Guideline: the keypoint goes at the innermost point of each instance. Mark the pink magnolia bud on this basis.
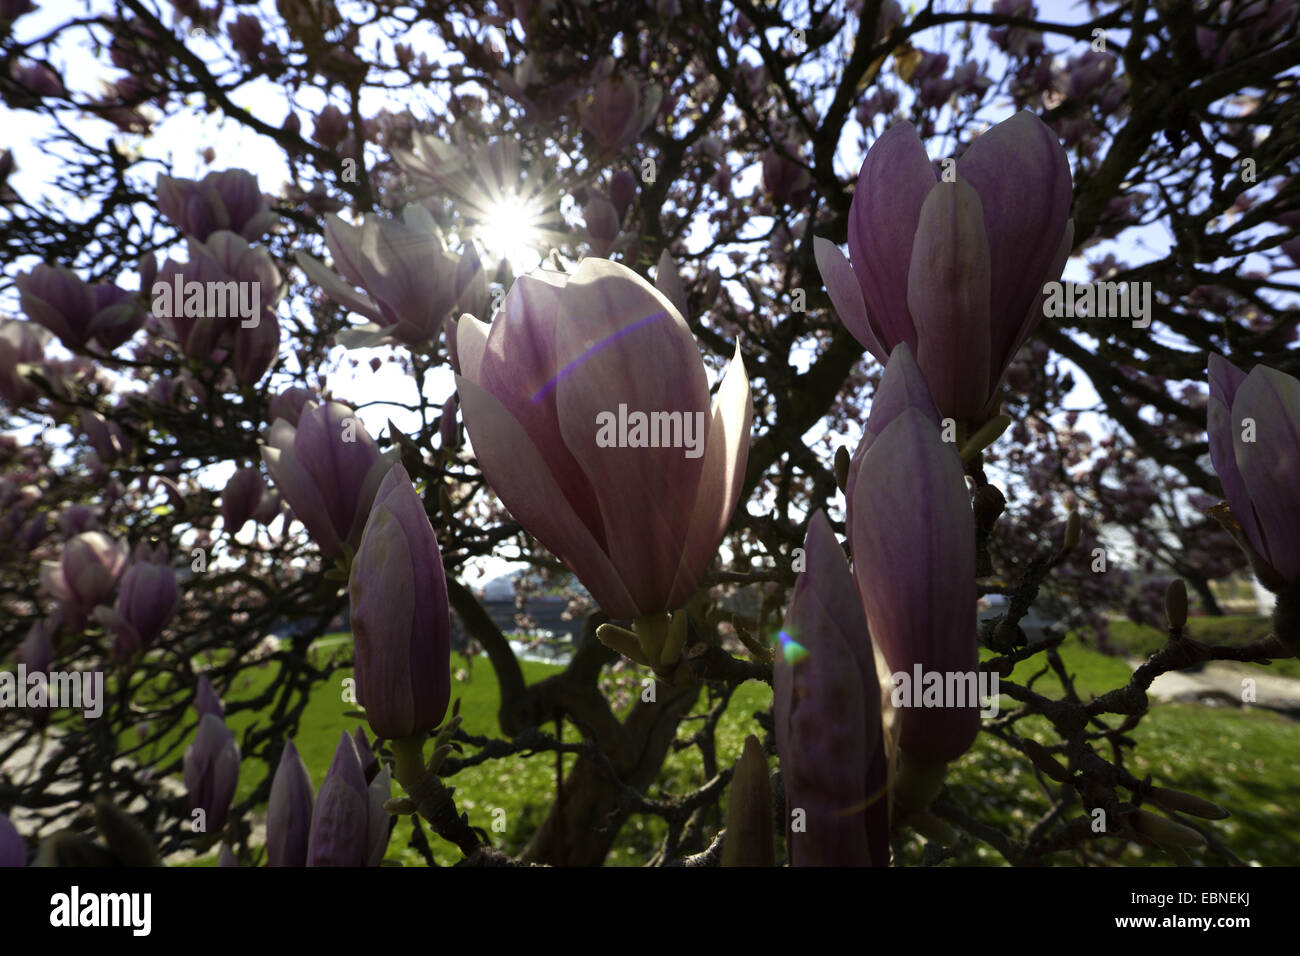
(546, 394)
(1254, 428)
(220, 298)
(241, 497)
(913, 542)
(616, 114)
(400, 619)
(331, 127)
(289, 404)
(207, 701)
(602, 225)
(211, 767)
(954, 269)
(622, 191)
(146, 601)
(327, 469)
(289, 811)
(826, 698)
(349, 825)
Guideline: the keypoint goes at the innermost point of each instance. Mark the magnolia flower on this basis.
(410, 281)
(229, 200)
(588, 408)
(954, 265)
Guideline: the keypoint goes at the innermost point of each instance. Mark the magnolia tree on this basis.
(786, 330)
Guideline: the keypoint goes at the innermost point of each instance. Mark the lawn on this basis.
(1247, 761)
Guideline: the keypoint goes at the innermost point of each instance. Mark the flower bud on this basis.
(211, 767)
(400, 618)
(289, 811)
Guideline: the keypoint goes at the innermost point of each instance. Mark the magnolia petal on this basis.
(726, 454)
(846, 295)
(1022, 176)
(948, 296)
(519, 476)
(622, 343)
(1223, 428)
(895, 179)
(1270, 465)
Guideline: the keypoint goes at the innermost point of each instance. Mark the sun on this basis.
(511, 229)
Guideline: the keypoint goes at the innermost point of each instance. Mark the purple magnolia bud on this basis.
(241, 498)
(828, 715)
(400, 618)
(36, 652)
(902, 387)
(226, 856)
(21, 343)
(328, 469)
(211, 767)
(289, 404)
(622, 191)
(206, 700)
(602, 225)
(447, 428)
(331, 127)
(1254, 428)
(13, 848)
(559, 423)
(269, 508)
(940, 265)
(289, 811)
(246, 36)
(616, 114)
(412, 282)
(783, 178)
(76, 312)
(104, 436)
(76, 519)
(343, 832)
(256, 348)
(913, 542)
(37, 78)
(86, 573)
(146, 602)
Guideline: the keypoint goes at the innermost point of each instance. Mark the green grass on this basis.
(1247, 761)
